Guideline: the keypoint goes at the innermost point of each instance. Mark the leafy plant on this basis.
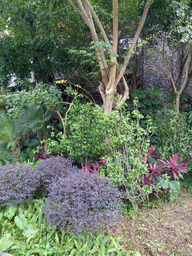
(85, 140)
(82, 201)
(170, 187)
(127, 162)
(13, 128)
(150, 101)
(172, 134)
(94, 167)
(160, 178)
(153, 175)
(52, 168)
(17, 183)
(174, 169)
(19, 236)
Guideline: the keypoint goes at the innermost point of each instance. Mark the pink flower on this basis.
(152, 149)
(104, 161)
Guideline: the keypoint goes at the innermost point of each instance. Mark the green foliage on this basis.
(85, 131)
(173, 134)
(90, 56)
(5, 156)
(24, 231)
(126, 164)
(170, 187)
(41, 95)
(150, 100)
(6, 133)
(14, 127)
(182, 20)
(28, 147)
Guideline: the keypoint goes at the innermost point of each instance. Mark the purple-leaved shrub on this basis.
(82, 201)
(17, 183)
(52, 168)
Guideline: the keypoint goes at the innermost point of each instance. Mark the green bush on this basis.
(173, 134)
(128, 144)
(86, 127)
(150, 100)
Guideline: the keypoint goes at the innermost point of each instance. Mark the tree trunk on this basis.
(109, 102)
(177, 103)
(114, 74)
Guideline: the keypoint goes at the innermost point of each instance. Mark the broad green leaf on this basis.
(10, 211)
(31, 231)
(23, 219)
(6, 242)
(1, 215)
(164, 184)
(172, 197)
(20, 224)
(174, 185)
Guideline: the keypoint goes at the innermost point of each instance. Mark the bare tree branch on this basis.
(135, 39)
(98, 22)
(186, 71)
(111, 85)
(126, 91)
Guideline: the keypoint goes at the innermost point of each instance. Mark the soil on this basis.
(166, 229)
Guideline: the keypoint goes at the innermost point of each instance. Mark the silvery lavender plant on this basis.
(17, 183)
(52, 168)
(82, 201)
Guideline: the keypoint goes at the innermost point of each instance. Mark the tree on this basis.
(183, 77)
(169, 54)
(112, 74)
(42, 32)
(181, 38)
(36, 37)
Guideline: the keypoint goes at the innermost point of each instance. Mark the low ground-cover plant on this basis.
(76, 199)
(17, 183)
(82, 201)
(24, 232)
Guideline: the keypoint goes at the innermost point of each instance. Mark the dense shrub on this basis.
(17, 183)
(129, 145)
(52, 168)
(82, 201)
(173, 135)
(150, 101)
(86, 133)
